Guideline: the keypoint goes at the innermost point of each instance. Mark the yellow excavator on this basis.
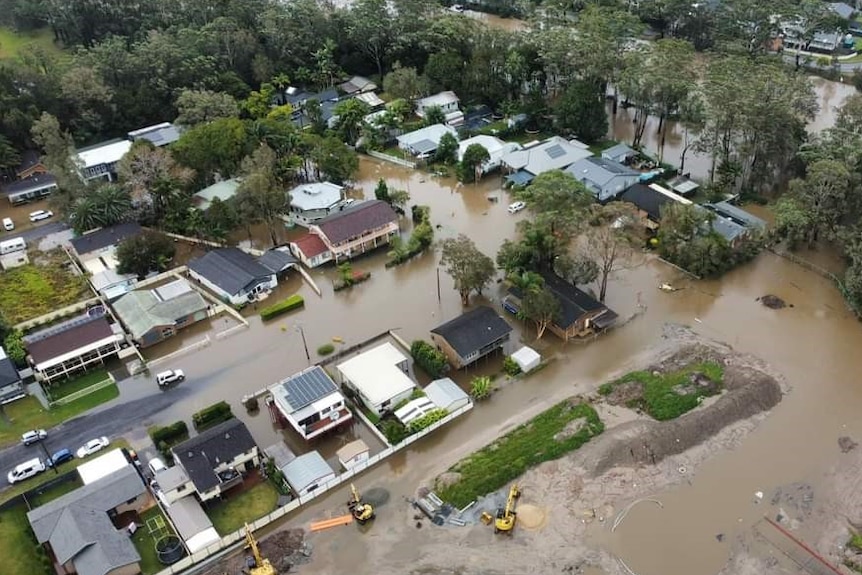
(505, 521)
(362, 512)
(256, 564)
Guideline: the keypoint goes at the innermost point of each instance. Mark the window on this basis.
(182, 488)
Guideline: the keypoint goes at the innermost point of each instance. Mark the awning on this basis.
(520, 178)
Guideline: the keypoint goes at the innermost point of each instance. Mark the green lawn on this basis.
(64, 388)
(145, 544)
(28, 413)
(668, 395)
(31, 291)
(12, 43)
(228, 516)
(56, 491)
(543, 438)
(18, 548)
(49, 474)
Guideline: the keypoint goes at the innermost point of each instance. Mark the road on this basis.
(39, 232)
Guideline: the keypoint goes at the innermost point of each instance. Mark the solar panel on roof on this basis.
(555, 151)
(305, 388)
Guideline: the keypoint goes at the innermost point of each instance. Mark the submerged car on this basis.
(92, 447)
(170, 376)
(40, 215)
(516, 207)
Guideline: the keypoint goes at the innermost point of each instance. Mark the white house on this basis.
(379, 377)
(312, 202)
(424, 141)
(174, 484)
(307, 473)
(100, 161)
(446, 101)
(495, 146)
(310, 402)
(353, 454)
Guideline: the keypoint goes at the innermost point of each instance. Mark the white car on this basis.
(33, 436)
(456, 8)
(92, 447)
(25, 470)
(8, 224)
(170, 376)
(40, 215)
(516, 207)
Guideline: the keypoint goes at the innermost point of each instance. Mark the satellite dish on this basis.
(334, 415)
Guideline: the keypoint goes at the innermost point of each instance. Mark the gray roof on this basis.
(618, 151)
(230, 269)
(304, 388)
(171, 478)
(223, 190)
(315, 196)
(600, 172)
(842, 9)
(357, 84)
(188, 517)
(201, 454)
(471, 331)
(427, 136)
(31, 184)
(142, 310)
(444, 392)
(555, 153)
(8, 373)
(736, 214)
(78, 528)
(105, 237)
(159, 135)
(305, 470)
(277, 260)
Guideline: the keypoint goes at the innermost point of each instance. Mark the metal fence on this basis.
(229, 540)
(84, 392)
(391, 159)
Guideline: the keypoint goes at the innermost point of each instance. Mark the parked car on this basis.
(26, 470)
(457, 8)
(92, 447)
(170, 376)
(40, 215)
(516, 207)
(8, 224)
(156, 465)
(59, 457)
(33, 436)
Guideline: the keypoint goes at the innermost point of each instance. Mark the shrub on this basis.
(212, 415)
(14, 346)
(511, 367)
(170, 434)
(420, 213)
(394, 431)
(289, 304)
(426, 420)
(325, 349)
(480, 387)
(428, 358)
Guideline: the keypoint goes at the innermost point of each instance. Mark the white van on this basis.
(13, 245)
(8, 224)
(26, 470)
(157, 465)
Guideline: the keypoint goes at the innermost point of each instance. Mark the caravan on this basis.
(13, 245)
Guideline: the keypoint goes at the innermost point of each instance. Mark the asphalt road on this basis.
(111, 422)
(39, 232)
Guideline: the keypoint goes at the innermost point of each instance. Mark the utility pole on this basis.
(438, 285)
(41, 443)
(304, 343)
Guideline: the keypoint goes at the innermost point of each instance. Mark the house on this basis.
(580, 314)
(370, 99)
(173, 484)
(278, 261)
(312, 202)
(30, 189)
(100, 161)
(620, 153)
(527, 359)
(352, 454)
(357, 85)
(85, 530)
(96, 250)
(732, 223)
(192, 524)
(310, 402)
(346, 234)
(447, 102)
(11, 386)
(605, 179)
(298, 99)
(555, 153)
(153, 315)
(423, 142)
(307, 473)
(30, 165)
(379, 377)
(650, 200)
(63, 350)
(216, 459)
(445, 394)
(159, 135)
(683, 185)
(496, 149)
(223, 190)
(233, 275)
(471, 336)
(842, 10)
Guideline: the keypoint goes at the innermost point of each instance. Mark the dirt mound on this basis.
(531, 517)
(772, 301)
(284, 549)
(626, 394)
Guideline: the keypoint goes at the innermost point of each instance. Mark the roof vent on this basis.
(191, 454)
(227, 435)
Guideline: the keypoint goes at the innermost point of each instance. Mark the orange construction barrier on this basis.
(328, 523)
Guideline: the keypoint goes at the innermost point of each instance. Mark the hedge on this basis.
(289, 304)
(169, 433)
(212, 415)
(428, 358)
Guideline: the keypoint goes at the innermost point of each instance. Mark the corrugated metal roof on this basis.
(305, 470)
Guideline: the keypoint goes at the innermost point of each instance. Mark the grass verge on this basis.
(145, 544)
(31, 291)
(28, 413)
(668, 395)
(54, 492)
(549, 435)
(18, 548)
(228, 516)
(65, 388)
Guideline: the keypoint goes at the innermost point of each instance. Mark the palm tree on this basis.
(105, 206)
(526, 281)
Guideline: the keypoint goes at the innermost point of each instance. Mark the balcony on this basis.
(331, 420)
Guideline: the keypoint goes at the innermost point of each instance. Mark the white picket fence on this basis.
(237, 536)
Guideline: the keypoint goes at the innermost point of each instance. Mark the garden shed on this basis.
(527, 359)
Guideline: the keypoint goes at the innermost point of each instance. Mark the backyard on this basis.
(21, 554)
(31, 291)
(145, 542)
(253, 502)
(66, 388)
(13, 43)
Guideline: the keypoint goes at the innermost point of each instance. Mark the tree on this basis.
(145, 253)
(258, 104)
(13, 344)
(153, 176)
(89, 99)
(447, 149)
(578, 270)
(403, 83)
(541, 307)
(381, 192)
(611, 239)
(581, 111)
(219, 219)
(333, 160)
(202, 106)
(686, 239)
(471, 269)
(59, 151)
(398, 199)
(372, 30)
(512, 257)
(481, 387)
(105, 206)
(559, 202)
(260, 196)
(472, 163)
(526, 281)
(350, 115)
(434, 115)
(214, 148)
(821, 197)
(9, 157)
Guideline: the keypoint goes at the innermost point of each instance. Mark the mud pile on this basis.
(284, 549)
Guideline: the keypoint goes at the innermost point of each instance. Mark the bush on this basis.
(14, 346)
(170, 434)
(325, 349)
(481, 387)
(212, 415)
(428, 358)
(420, 213)
(426, 420)
(289, 304)
(394, 431)
(511, 367)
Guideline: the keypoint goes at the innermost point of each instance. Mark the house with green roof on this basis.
(153, 315)
(223, 190)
